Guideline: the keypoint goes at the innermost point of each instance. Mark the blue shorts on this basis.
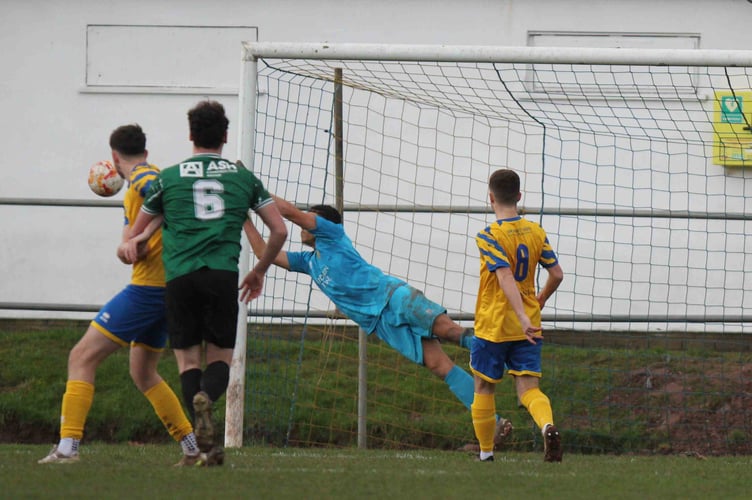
(136, 315)
(407, 319)
(487, 359)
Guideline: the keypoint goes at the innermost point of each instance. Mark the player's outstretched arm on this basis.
(271, 217)
(252, 284)
(305, 220)
(258, 245)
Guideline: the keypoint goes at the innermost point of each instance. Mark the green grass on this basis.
(32, 381)
(306, 397)
(122, 471)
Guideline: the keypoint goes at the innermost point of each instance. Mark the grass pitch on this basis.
(599, 397)
(145, 471)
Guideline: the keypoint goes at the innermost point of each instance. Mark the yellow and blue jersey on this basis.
(149, 271)
(520, 245)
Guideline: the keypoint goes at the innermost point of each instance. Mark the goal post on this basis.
(635, 161)
(235, 400)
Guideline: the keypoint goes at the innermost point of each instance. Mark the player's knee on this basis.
(144, 375)
(145, 380)
(443, 327)
(82, 358)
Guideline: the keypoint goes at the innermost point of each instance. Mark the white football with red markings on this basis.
(104, 179)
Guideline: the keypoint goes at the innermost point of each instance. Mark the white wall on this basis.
(55, 127)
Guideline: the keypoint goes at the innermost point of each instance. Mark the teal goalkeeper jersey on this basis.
(358, 289)
(204, 200)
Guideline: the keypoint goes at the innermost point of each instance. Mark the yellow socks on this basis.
(79, 396)
(483, 411)
(167, 407)
(539, 407)
(76, 405)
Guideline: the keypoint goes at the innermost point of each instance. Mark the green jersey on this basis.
(205, 201)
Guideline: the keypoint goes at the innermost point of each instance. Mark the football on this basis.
(104, 179)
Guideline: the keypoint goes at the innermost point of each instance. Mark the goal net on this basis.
(634, 161)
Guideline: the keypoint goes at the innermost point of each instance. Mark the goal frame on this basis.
(252, 52)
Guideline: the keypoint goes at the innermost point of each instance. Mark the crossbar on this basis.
(497, 54)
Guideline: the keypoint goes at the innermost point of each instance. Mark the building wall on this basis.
(69, 77)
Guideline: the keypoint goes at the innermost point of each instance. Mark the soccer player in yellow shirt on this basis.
(136, 318)
(508, 315)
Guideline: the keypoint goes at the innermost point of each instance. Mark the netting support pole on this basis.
(339, 150)
(235, 399)
(362, 391)
(339, 190)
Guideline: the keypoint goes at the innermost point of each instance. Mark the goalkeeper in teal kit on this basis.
(397, 313)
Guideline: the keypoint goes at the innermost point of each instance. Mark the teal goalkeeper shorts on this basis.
(406, 320)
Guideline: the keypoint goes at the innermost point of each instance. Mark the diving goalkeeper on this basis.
(396, 312)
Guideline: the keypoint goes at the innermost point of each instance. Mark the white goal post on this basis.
(623, 137)
(253, 51)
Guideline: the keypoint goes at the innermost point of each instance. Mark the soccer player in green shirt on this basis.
(204, 201)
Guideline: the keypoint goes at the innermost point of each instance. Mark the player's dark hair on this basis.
(328, 212)
(128, 140)
(208, 124)
(505, 186)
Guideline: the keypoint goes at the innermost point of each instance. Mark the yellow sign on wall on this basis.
(732, 118)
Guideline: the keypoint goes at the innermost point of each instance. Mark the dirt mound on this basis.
(705, 410)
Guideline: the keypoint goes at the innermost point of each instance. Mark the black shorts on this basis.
(203, 306)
